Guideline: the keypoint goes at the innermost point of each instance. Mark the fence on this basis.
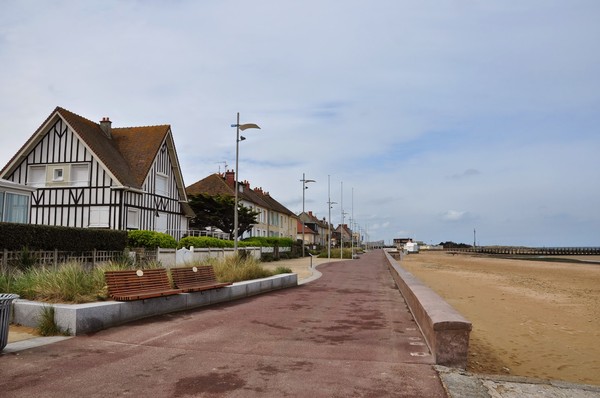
(530, 251)
(54, 257)
(167, 257)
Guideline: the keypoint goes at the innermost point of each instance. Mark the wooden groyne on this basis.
(529, 251)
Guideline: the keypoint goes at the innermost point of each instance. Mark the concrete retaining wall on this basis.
(445, 330)
(79, 319)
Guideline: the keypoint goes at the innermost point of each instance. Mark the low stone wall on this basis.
(79, 319)
(445, 330)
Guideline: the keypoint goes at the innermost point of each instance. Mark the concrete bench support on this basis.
(445, 330)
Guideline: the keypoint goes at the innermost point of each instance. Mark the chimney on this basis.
(230, 178)
(310, 213)
(105, 124)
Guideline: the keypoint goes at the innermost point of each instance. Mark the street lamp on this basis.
(238, 138)
(329, 202)
(304, 188)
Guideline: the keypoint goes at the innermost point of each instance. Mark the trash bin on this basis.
(5, 301)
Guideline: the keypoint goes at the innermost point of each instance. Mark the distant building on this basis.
(319, 227)
(309, 235)
(406, 244)
(273, 219)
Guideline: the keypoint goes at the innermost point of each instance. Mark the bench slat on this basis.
(196, 279)
(127, 285)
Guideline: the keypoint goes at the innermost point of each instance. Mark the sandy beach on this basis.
(530, 318)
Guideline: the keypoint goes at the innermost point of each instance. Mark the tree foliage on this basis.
(217, 212)
(454, 245)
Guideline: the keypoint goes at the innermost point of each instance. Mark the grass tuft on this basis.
(235, 269)
(45, 322)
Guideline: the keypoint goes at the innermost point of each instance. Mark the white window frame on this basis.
(133, 218)
(39, 172)
(99, 217)
(58, 174)
(80, 169)
(161, 223)
(158, 186)
(8, 214)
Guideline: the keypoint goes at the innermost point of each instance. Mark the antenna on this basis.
(225, 163)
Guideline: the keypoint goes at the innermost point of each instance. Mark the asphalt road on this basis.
(347, 334)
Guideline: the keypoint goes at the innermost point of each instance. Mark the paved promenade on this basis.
(348, 333)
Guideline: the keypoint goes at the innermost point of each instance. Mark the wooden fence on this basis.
(167, 257)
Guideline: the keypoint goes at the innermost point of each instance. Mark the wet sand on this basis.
(530, 318)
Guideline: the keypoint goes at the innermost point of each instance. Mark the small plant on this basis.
(26, 259)
(335, 253)
(45, 322)
(232, 269)
(282, 270)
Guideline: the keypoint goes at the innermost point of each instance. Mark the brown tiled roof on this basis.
(139, 146)
(307, 229)
(275, 205)
(212, 185)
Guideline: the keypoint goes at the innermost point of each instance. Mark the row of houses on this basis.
(78, 173)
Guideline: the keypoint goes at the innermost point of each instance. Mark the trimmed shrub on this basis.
(150, 239)
(265, 241)
(44, 237)
(204, 241)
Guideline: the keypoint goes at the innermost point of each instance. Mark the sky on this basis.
(440, 120)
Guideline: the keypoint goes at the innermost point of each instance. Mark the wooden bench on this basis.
(196, 279)
(139, 284)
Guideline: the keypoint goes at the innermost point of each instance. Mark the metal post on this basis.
(236, 177)
(342, 224)
(304, 181)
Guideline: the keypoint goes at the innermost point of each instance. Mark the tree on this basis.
(217, 212)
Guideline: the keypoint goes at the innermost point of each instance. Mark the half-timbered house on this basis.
(88, 174)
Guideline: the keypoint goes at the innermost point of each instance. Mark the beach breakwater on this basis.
(532, 251)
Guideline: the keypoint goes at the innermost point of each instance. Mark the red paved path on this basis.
(348, 334)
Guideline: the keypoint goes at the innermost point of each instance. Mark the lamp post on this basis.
(238, 138)
(304, 188)
(342, 217)
(329, 202)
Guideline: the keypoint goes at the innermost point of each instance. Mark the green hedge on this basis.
(44, 237)
(204, 241)
(264, 241)
(150, 239)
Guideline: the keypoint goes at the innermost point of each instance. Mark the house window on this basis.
(133, 219)
(80, 175)
(36, 177)
(161, 185)
(161, 222)
(58, 174)
(14, 207)
(99, 217)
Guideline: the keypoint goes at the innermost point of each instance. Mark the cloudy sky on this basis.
(437, 118)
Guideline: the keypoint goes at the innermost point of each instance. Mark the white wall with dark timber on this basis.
(67, 201)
